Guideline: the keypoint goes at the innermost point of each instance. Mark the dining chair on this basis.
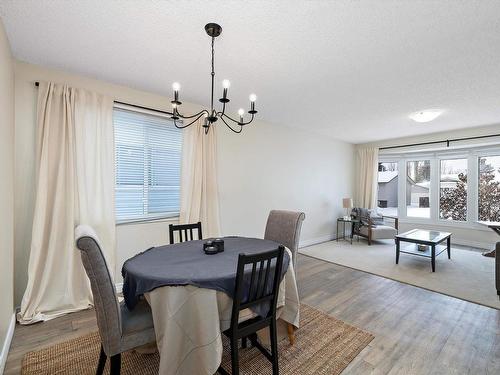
(120, 329)
(185, 232)
(254, 291)
(284, 227)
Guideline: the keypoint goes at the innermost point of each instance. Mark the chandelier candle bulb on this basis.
(176, 86)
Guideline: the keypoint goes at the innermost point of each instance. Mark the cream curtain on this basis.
(366, 177)
(199, 190)
(74, 185)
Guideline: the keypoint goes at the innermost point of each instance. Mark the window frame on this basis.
(472, 154)
(150, 217)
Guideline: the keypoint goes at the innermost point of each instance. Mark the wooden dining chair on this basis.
(254, 291)
(185, 232)
(120, 329)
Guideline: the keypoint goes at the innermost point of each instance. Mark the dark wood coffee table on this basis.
(430, 239)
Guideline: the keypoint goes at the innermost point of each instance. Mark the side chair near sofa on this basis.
(119, 328)
(373, 226)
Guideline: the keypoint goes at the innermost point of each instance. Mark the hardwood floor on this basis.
(416, 331)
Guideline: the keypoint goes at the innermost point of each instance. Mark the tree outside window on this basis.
(453, 190)
(489, 188)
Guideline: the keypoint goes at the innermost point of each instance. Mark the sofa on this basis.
(373, 226)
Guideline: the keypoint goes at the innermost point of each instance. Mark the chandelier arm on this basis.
(192, 116)
(223, 109)
(236, 131)
(237, 122)
(191, 123)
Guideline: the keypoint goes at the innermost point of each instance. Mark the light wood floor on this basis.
(416, 331)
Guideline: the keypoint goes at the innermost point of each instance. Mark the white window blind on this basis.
(147, 164)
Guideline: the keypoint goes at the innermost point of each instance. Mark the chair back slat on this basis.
(266, 268)
(185, 232)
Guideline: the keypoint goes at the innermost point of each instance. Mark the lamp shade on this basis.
(347, 202)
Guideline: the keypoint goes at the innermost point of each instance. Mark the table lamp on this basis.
(347, 204)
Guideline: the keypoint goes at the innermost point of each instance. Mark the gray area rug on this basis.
(468, 275)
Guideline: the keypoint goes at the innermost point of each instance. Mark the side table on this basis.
(342, 221)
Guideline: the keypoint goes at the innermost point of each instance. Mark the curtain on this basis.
(199, 190)
(74, 185)
(366, 177)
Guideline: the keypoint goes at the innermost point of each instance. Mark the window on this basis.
(489, 188)
(418, 185)
(453, 190)
(387, 200)
(148, 164)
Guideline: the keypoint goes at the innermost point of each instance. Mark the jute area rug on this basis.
(324, 346)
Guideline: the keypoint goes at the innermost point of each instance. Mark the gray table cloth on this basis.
(186, 264)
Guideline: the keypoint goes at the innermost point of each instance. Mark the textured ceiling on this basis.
(352, 70)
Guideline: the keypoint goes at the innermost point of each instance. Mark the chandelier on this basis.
(211, 116)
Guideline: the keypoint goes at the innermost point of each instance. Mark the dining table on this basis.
(190, 294)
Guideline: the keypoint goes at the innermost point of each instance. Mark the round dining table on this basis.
(190, 294)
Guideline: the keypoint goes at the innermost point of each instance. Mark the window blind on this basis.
(147, 164)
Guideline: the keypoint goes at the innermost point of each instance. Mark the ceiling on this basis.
(352, 70)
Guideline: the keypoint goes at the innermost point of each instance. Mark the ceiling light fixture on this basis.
(425, 115)
(211, 116)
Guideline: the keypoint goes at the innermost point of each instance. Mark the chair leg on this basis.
(102, 362)
(244, 342)
(234, 357)
(274, 346)
(291, 333)
(116, 363)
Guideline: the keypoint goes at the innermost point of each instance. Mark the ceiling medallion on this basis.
(211, 116)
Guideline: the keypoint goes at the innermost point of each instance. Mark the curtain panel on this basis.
(74, 185)
(199, 189)
(366, 177)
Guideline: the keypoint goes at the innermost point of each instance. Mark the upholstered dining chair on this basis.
(284, 227)
(185, 232)
(119, 328)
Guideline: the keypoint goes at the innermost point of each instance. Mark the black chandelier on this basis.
(211, 116)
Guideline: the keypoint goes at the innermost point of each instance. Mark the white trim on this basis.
(6, 343)
(119, 287)
(317, 240)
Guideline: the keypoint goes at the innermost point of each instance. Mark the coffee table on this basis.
(430, 239)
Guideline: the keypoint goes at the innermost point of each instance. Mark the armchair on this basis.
(373, 226)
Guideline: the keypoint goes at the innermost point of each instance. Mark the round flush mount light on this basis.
(425, 115)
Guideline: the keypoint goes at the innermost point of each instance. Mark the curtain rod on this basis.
(447, 141)
(132, 105)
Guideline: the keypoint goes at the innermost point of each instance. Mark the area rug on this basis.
(467, 275)
(324, 346)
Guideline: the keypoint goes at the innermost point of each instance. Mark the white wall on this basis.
(466, 234)
(6, 195)
(265, 167)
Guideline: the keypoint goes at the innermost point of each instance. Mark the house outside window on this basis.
(388, 188)
(446, 187)
(418, 185)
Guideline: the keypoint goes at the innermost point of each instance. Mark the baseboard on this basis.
(6, 343)
(317, 240)
(477, 244)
